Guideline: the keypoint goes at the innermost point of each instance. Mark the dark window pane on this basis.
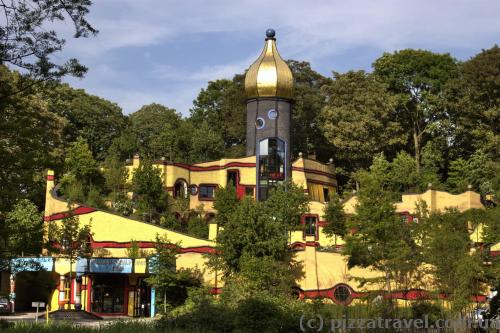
(310, 225)
(206, 192)
(326, 194)
(271, 165)
(232, 178)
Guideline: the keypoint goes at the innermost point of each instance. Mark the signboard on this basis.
(37, 304)
(110, 265)
(140, 265)
(32, 264)
(82, 266)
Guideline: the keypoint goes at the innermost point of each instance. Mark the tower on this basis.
(269, 90)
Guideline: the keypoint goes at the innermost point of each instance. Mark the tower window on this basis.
(271, 165)
(326, 194)
(260, 123)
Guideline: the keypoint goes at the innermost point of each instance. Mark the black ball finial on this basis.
(270, 33)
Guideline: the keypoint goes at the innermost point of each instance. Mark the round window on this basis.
(342, 294)
(272, 114)
(193, 189)
(260, 123)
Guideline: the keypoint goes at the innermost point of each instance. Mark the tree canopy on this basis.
(27, 44)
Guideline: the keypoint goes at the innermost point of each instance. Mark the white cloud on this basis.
(306, 30)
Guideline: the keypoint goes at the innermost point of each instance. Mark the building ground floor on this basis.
(102, 286)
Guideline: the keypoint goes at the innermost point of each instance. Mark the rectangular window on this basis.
(326, 194)
(232, 178)
(206, 192)
(310, 225)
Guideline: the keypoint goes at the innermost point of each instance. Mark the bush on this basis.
(421, 309)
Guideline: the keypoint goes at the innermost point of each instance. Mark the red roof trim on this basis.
(146, 245)
(77, 211)
(321, 182)
(318, 172)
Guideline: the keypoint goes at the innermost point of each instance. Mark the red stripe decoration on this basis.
(77, 211)
(410, 295)
(320, 182)
(494, 253)
(317, 172)
(50, 177)
(218, 167)
(209, 167)
(215, 291)
(302, 245)
(146, 245)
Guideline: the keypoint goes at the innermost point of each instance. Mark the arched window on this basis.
(272, 159)
(180, 189)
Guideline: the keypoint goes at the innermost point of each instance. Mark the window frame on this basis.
(303, 221)
(201, 186)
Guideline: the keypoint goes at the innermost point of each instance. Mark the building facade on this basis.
(112, 283)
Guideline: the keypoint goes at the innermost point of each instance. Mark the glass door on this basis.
(108, 294)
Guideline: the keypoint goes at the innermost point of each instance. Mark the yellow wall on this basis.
(323, 268)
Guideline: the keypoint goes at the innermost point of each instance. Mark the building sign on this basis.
(82, 266)
(32, 264)
(140, 265)
(110, 265)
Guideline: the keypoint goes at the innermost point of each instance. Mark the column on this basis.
(153, 303)
(62, 292)
(12, 295)
(78, 293)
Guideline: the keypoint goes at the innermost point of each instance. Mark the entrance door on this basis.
(108, 294)
(142, 306)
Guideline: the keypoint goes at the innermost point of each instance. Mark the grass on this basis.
(113, 327)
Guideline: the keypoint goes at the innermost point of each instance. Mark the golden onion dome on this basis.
(269, 75)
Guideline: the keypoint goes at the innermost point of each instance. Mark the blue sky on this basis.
(165, 51)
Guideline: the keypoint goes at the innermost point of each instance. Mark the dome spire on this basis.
(269, 75)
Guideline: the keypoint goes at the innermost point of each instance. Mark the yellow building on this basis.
(112, 283)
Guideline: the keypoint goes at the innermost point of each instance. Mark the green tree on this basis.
(152, 126)
(222, 106)
(31, 137)
(26, 42)
(479, 171)
(171, 284)
(335, 216)
(69, 239)
(358, 119)
(225, 203)
(115, 175)
(446, 247)
(472, 99)
(206, 144)
(253, 245)
(417, 78)
(81, 173)
(286, 204)
(306, 132)
(95, 119)
(80, 162)
(250, 232)
(147, 186)
(380, 238)
(22, 232)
